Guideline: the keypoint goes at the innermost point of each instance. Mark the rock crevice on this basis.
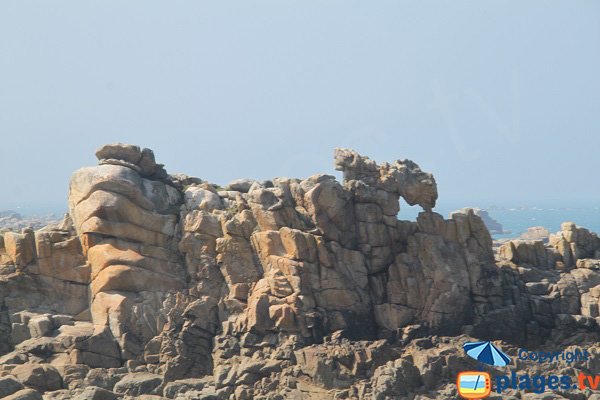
(158, 284)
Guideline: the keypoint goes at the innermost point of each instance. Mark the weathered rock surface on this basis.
(25, 394)
(138, 383)
(165, 286)
(13, 221)
(9, 385)
(536, 233)
(491, 224)
(38, 376)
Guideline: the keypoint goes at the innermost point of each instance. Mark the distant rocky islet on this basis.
(166, 286)
(14, 221)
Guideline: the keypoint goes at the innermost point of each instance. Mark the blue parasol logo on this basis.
(486, 353)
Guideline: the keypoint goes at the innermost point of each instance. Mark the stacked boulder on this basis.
(125, 214)
(560, 279)
(169, 286)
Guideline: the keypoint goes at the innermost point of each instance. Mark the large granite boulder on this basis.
(166, 285)
(126, 216)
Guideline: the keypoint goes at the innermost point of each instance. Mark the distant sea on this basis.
(517, 219)
(37, 210)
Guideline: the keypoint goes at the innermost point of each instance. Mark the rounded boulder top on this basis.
(140, 159)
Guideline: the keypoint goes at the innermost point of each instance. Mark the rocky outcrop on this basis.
(536, 233)
(125, 214)
(403, 178)
(491, 224)
(561, 279)
(563, 251)
(166, 286)
(14, 221)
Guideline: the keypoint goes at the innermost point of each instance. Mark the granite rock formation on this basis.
(167, 286)
(491, 224)
(14, 221)
(536, 233)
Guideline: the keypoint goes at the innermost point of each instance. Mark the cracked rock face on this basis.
(403, 178)
(126, 221)
(166, 285)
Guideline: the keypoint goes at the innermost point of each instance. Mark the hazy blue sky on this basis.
(499, 99)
